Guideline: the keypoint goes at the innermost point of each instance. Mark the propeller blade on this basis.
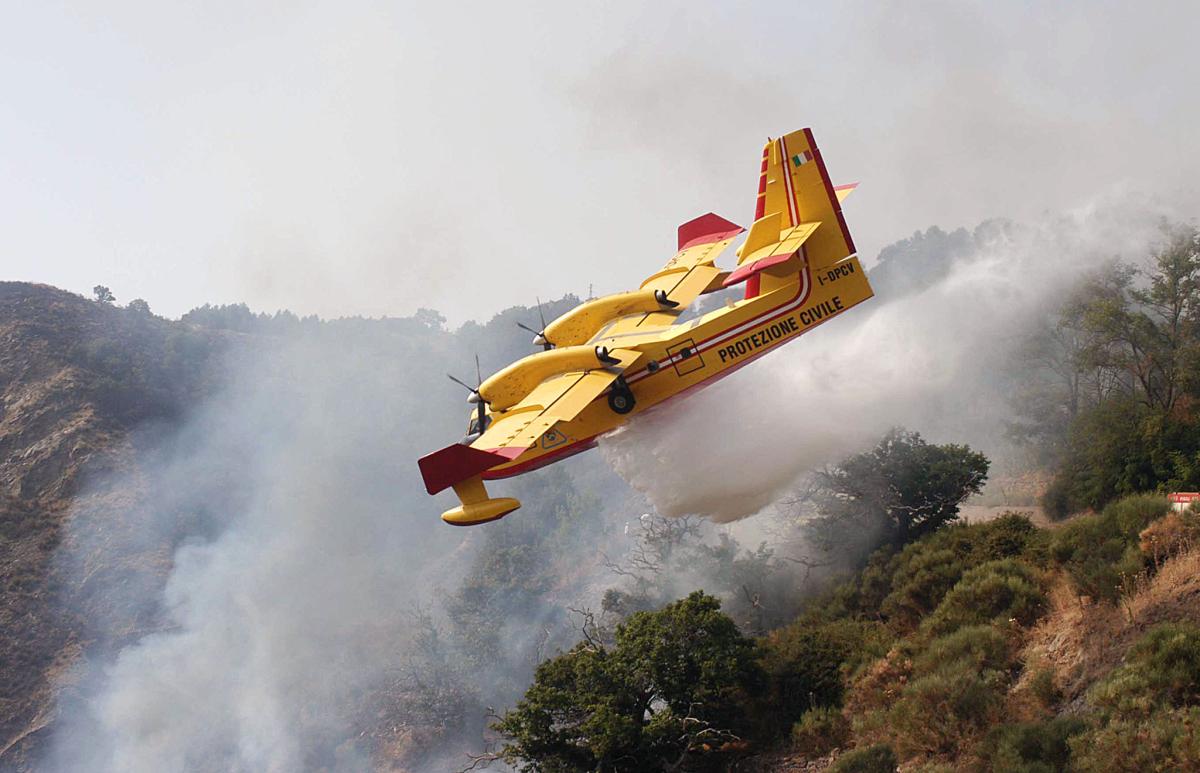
(461, 383)
(541, 316)
(478, 373)
(523, 326)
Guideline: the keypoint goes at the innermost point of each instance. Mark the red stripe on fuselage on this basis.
(760, 204)
(837, 207)
(579, 446)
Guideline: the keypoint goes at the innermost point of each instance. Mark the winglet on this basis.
(455, 463)
(705, 229)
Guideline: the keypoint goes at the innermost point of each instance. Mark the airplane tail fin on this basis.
(794, 183)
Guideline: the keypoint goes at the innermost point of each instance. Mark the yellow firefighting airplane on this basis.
(609, 359)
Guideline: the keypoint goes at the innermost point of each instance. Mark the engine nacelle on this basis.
(508, 387)
(578, 325)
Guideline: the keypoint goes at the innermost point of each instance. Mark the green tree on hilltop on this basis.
(671, 691)
(1135, 335)
(905, 486)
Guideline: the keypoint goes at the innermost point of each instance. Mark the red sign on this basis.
(1184, 497)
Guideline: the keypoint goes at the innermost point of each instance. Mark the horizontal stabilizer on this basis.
(843, 191)
(763, 233)
(705, 229)
(788, 244)
(455, 463)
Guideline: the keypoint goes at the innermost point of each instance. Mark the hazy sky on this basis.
(371, 158)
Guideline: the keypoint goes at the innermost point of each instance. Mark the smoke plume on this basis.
(927, 353)
(300, 539)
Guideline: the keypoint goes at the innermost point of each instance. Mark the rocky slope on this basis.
(76, 378)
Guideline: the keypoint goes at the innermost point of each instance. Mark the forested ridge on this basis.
(860, 626)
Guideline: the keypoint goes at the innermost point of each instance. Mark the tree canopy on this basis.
(667, 693)
(1111, 380)
(904, 486)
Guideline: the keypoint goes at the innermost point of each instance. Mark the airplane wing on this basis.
(560, 398)
(691, 271)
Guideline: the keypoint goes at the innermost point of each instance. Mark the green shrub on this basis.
(1043, 687)
(806, 664)
(953, 691)
(940, 712)
(908, 585)
(996, 591)
(1161, 670)
(981, 646)
(1101, 552)
(1032, 747)
(1011, 535)
(820, 731)
(1134, 513)
(922, 578)
(872, 759)
(1169, 656)
(1163, 741)
(1057, 501)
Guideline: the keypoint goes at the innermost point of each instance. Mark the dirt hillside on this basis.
(76, 378)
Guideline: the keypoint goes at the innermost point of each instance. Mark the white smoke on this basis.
(927, 357)
(289, 597)
(290, 602)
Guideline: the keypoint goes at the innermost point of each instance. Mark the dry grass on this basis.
(1080, 642)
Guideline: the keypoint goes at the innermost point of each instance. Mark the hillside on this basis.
(1040, 659)
(75, 378)
(217, 553)
(107, 414)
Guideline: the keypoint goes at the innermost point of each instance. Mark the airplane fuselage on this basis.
(696, 353)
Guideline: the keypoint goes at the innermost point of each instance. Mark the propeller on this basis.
(475, 398)
(539, 336)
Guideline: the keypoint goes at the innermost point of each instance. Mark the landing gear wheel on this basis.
(621, 401)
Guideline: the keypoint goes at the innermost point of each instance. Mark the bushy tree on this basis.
(904, 487)
(671, 690)
(804, 664)
(996, 591)
(103, 294)
(1150, 332)
(1110, 384)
